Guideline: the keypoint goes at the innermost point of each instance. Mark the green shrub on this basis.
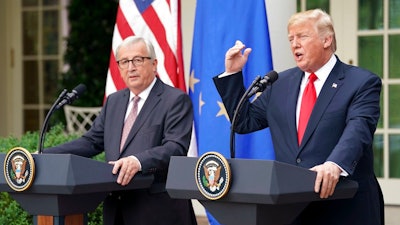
(30, 140)
(11, 212)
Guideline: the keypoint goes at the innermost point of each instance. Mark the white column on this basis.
(3, 55)
(278, 13)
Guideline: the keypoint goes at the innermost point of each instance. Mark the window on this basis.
(378, 44)
(42, 57)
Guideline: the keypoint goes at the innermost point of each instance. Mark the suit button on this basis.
(298, 160)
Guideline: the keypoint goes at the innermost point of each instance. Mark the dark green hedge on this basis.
(89, 47)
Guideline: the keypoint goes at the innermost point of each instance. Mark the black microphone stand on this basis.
(46, 120)
(236, 114)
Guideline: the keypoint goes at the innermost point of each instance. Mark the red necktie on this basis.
(307, 105)
(129, 121)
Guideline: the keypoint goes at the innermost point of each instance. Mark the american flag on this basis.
(158, 21)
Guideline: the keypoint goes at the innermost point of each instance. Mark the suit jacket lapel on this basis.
(118, 116)
(292, 95)
(331, 86)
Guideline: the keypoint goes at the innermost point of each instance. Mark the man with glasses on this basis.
(140, 128)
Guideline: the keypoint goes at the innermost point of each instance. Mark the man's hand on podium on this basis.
(327, 177)
(127, 168)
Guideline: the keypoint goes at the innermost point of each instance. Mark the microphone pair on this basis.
(259, 84)
(72, 96)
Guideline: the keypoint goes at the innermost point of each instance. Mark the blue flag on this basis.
(218, 24)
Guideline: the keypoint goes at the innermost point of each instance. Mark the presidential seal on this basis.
(19, 169)
(213, 175)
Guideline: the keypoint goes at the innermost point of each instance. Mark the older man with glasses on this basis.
(139, 128)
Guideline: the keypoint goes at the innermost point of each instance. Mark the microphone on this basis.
(72, 96)
(260, 86)
(256, 86)
(63, 98)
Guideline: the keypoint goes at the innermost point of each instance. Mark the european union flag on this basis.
(218, 24)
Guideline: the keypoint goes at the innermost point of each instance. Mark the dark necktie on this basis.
(307, 105)
(129, 121)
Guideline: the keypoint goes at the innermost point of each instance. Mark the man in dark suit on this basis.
(338, 138)
(162, 128)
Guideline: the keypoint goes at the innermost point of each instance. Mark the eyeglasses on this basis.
(137, 61)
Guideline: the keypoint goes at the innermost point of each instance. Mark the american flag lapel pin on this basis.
(334, 85)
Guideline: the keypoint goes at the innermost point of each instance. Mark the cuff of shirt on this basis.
(137, 160)
(343, 173)
(225, 74)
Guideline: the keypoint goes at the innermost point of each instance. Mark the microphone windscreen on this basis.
(80, 89)
(273, 76)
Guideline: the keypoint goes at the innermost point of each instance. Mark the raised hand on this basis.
(235, 58)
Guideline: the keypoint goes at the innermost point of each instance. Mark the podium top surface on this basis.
(254, 181)
(71, 174)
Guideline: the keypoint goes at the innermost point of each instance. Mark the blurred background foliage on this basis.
(89, 47)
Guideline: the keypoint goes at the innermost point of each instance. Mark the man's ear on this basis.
(328, 41)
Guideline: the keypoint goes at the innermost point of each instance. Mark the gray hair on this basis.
(136, 39)
(323, 23)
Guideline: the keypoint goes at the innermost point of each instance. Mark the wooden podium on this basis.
(262, 192)
(66, 187)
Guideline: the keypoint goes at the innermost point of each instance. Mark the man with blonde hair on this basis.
(322, 115)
